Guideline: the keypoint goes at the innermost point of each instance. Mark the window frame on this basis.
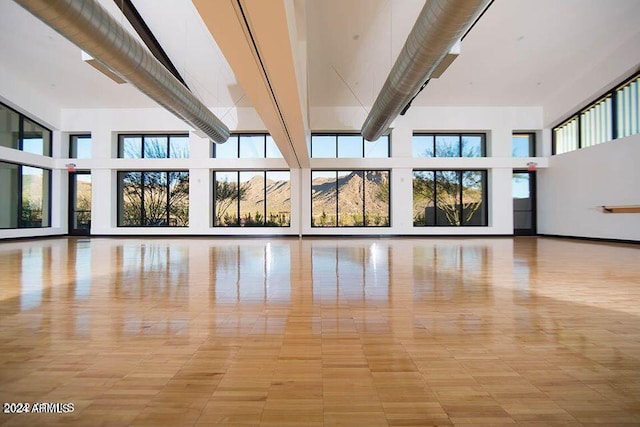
(532, 143)
(364, 207)
(75, 136)
(142, 136)
(337, 136)
(19, 205)
(21, 119)
(240, 136)
(460, 135)
(119, 199)
(577, 115)
(264, 195)
(485, 196)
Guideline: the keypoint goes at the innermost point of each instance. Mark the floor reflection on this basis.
(219, 327)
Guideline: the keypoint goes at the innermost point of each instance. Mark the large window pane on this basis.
(439, 199)
(226, 195)
(472, 146)
(9, 127)
(155, 147)
(378, 148)
(82, 195)
(155, 199)
(228, 150)
(423, 198)
(522, 145)
(179, 146)
(273, 152)
(130, 147)
(278, 199)
(324, 198)
(130, 194)
(323, 146)
(179, 199)
(349, 146)
(252, 146)
(35, 200)
(376, 192)
(252, 202)
(80, 146)
(447, 145)
(350, 198)
(473, 208)
(9, 194)
(423, 145)
(36, 139)
(448, 198)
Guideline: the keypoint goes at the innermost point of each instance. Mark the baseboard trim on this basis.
(590, 239)
(18, 238)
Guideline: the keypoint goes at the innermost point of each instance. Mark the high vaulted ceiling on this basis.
(521, 52)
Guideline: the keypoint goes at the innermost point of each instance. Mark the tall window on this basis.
(523, 145)
(22, 133)
(616, 114)
(350, 198)
(448, 145)
(80, 146)
(449, 198)
(24, 191)
(247, 146)
(153, 199)
(252, 199)
(154, 146)
(332, 145)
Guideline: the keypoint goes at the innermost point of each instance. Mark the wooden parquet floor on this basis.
(313, 332)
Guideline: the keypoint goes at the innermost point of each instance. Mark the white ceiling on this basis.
(521, 52)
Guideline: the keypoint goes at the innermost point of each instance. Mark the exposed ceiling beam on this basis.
(254, 37)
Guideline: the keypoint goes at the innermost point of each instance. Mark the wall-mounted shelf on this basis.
(621, 209)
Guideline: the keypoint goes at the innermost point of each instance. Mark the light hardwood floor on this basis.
(359, 332)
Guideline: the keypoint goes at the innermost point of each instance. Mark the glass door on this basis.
(524, 203)
(79, 203)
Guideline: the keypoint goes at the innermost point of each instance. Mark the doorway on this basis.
(524, 203)
(80, 203)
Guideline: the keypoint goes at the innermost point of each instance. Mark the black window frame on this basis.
(142, 137)
(19, 206)
(485, 196)
(337, 135)
(611, 92)
(142, 212)
(75, 136)
(264, 195)
(483, 147)
(21, 119)
(364, 207)
(532, 143)
(239, 136)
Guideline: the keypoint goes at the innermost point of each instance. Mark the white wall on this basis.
(576, 184)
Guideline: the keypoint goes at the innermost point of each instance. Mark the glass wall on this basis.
(348, 146)
(448, 145)
(24, 191)
(252, 199)
(21, 133)
(153, 199)
(616, 114)
(449, 198)
(153, 146)
(353, 198)
(523, 145)
(247, 146)
(80, 146)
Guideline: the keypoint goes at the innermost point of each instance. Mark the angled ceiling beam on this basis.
(137, 22)
(254, 37)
